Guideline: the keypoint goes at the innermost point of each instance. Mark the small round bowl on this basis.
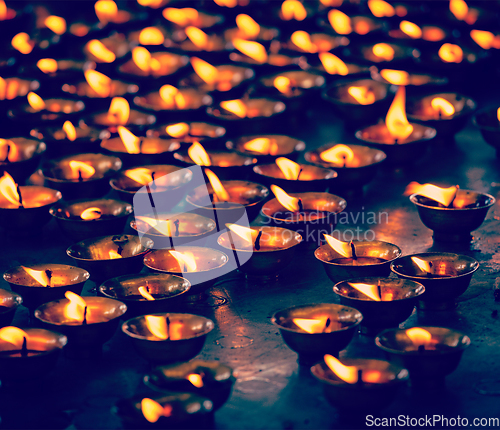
(312, 178)
(364, 397)
(98, 255)
(454, 224)
(112, 220)
(376, 249)
(442, 291)
(64, 278)
(189, 132)
(276, 251)
(217, 379)
(192, 329)
(26, 162)
(136, 119)
(427, 367)
(414, 79)
(193, 229)
(167, 291)
(211, 264)
(311, 347)
(489, 125)
(9, 302)
(399, 297)
(275, 145)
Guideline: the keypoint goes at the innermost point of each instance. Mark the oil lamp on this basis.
(312, 43)
(359, 385)
(13, 87)
(356, 165)
(108, 49)
(485, 39)
(317, 329)
(444, 275)
(88, 322)
(400, 140)
(345, 260)
(267, 147)
(308, 213)
(344, 25)
(384, 302)
(225, 164)
(200, 266)
(168, 230)
(146, 293)
(384, 53)
(295, 177)
(402, 77)
(205, 378)
(265, 251)
(81, 175)
(46, 69)
(332, 66)
(294, 10)
(20, 156)
(358, 101)
(429, 353)
(189, 132)
(28, 353)
(249, 29)
(24, 208)
(154, 180)
(195, 41)
(183, 17)
(455, 60)
(488, 122)
(9, 302)
(419, 35)
(451, 213)
(83, 219)
(149, 36)
(168, 337)
(110, 256)
(41, 283)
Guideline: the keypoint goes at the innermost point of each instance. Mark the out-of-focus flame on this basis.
(195, 379)
(451, 53)
(10, 150)
(70, 130)
(395, 77)
(288, 202)
(235, 106)
(410, 29)
(39, 276)
(289, 168)
(198, 154)
(433, 34)
(247, 26)
(343, 248)
(163, 226)
(262, 145)
(419, 336)
(106, 10)
(197, 36)
(177, 130)
(100, 83)
(172, 97)
(498, 114)
(186, 261)
(13, 335)
(311, 325)
(247, 234)
(119, 111)
(91, 213)
(8, 189)
(485, 39)
(204, 70)
(151, 36)
(22, 43)
(145, 293)
(3, 10)
(302, 39)
(384, 51)
(98, 50)
(252, 49)
(339, 154)
(282, 84)
(131, 142)
(362, 27)
(348, 374)
(56, 23)
(154, 4)
(47, 65)
(141, 175)
(369, 290)
(157, 325)
(396, 120)
(340, 22)
(293, 9)
(363, 95)
(459, 8)
(442, 106)
(35, 101)
(141, 58)
(219, 190)
(183, 17)
(423, 265)
(445, 196)
(75, 309)
(113, 255)
(80, 169)
(333, 64)
(153, 411)
(380, 8)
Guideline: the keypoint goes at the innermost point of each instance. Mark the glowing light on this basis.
(247, 26)
(423, 265)
(98, 50)
(293, 9)
(35, 101)
(262, 145)
(290, 169)
(343, 248)
(145, 293)
(131, 142)
(172, 97)
(442, 106)
(339, 154)
(340, 22)
(370, 291)
(182, 17)
(282, 84)
(39, 276)
(13, 335)
(113, 255)
(56, 24)
(236, 107)
(22, 43)
(79, 169)
(91, 214)
(384, 51)
(106, 10)
(252, 49)
(411, 29)
(76, 309)
(288, 202)
(348, 374)
(396, 120)
(9, 190)
(204, 70)
(219, 190)
(198, 154)
(419, 336)
(163, 226)
(380, 8)
(498, 114)
(70, 130)
(186, 260)
(459, 8)
(119, 111)
(451, 53)
(177, 130)
(311, 325)
(333, 64)
(9, 150)
(395, 77)
(47, 65)
(302, 39)
(226, 3)
(445, 196)
(247, 234)
(485, 39)
(195, 379)
(153, 411)
(363, 95)
(197, 36)
(100, 83)
(151, 36)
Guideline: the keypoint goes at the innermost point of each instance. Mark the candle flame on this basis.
(380, 8)
(163, 226)
(396, 120)
(13, 335)
(247, 234)
(485, 39)
(459, 8)
(177, 130)
(106, 10)
(22, 43)
(442, 106)
(252, 49)
(9, 190)
(343, 248)
(39, 276)
(131, 142)
(70, 130)
(182, 17)
(172, 97)
(340, 22)
(433, 34)
(282, 84)
(384, 51)
(395, 77)
(141, 58)
(80, 169)
(153, 411)
(47, 65)
(419, 336)
(151, 36)
(98, 50)
(410, 29)
(362, 26)
(35, 101)
(145, 293)
(119, 111)
(370, 291)
(445, 196)
(289, 168)
(219, 190)
(75, 309)
(451, 53)
(197, 36)
(302, 39)
(100, 83)
(56, 24)
(113, 255)
(498, 114)
(262, 145)
(311, 325)
(247, 26)
(423, 265)
(293, 9)
(198, 154)
(339, 154)
(348, 374)
(3, 10)
(10, 149)
(141, 175)
(288, 202)
(204, 70)
(186, 261)
(235, 106)
(195, 379)
(226, 3)
(91, 213)
(363, 95)
(157, 325)
(333, 64)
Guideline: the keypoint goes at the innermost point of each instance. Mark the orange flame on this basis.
(163, 226)
(293, 9)
(177, 130)
(35, 101)
(131, 142)
(459, 8)
(151, 36)
(91, 213)
(141, 58)
(247, 26)
(498, 114)
(98, 50)
(311, 325)
(10, 148)
(119, 111)
(13, 335)
(288, 202)
(39, 276)
(8, 189)
(235, 106)
(154, 4)
(423, 265)
(263, 145)
(442, 106)
(451, 53)
(106, 10)
(79, 168)
(396, 120)
(362, 26)
(380, 8)
(22, 43)
(339, 154)
(411, 29)
(370, 291)
(333, 64)
(172, 97)
(70, 130)
(226, 3)
(247, 234)
(343, 248)
(186, 261)
(195, 379)
(198, 154)
(340, 22)
(433, 34)
(395, 77)
(219, 190)
(100, 83)
(251, 49)
(141, 175)
(113, 255)
(197, 36)
(485, 39)
(75, 309)
(182, 17)
(157, 325)
(348, 374)
(419, 336)
(47, 65)
(145, 293)
(204, 70)
(56, 24)
(384, 51)
(363, 95)
(302, 39)
(3, 10)
(282, 84)
(153, 411)
(445, 196)
(290, 169)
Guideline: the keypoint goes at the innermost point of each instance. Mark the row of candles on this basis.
(156, 160)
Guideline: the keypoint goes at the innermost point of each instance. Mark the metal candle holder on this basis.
(30, 153)
(9, 302)
(202, 132)
(279, 146)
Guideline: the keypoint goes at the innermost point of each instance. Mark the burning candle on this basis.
(99, 86)
(43, 283)
(186, 16)
(334, 66)
(193, 39)
(168, 337)
(408, 30)
(145, 64)
(20, 156)
(12, 88)
(189, 132)
(343, 24)
(304, 42)
(9, 302)
(315, 330)
(267, 147)
(291, 84)
(247, 28)
(402, 77)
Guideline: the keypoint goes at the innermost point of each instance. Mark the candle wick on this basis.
(257, 240)
(7, 156)
(141, 141)
(345, 160)
(24, 348)
(301, 206)
(153, 183)
(327, 324)
(396, 141)
(379, 290)
(298, 176)
(80, 177)
(421, 349)
(360, 377)
(48, 272)
(168, 327)
(20, 196)
(353, 251)
(84, 322)
(176, 223)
